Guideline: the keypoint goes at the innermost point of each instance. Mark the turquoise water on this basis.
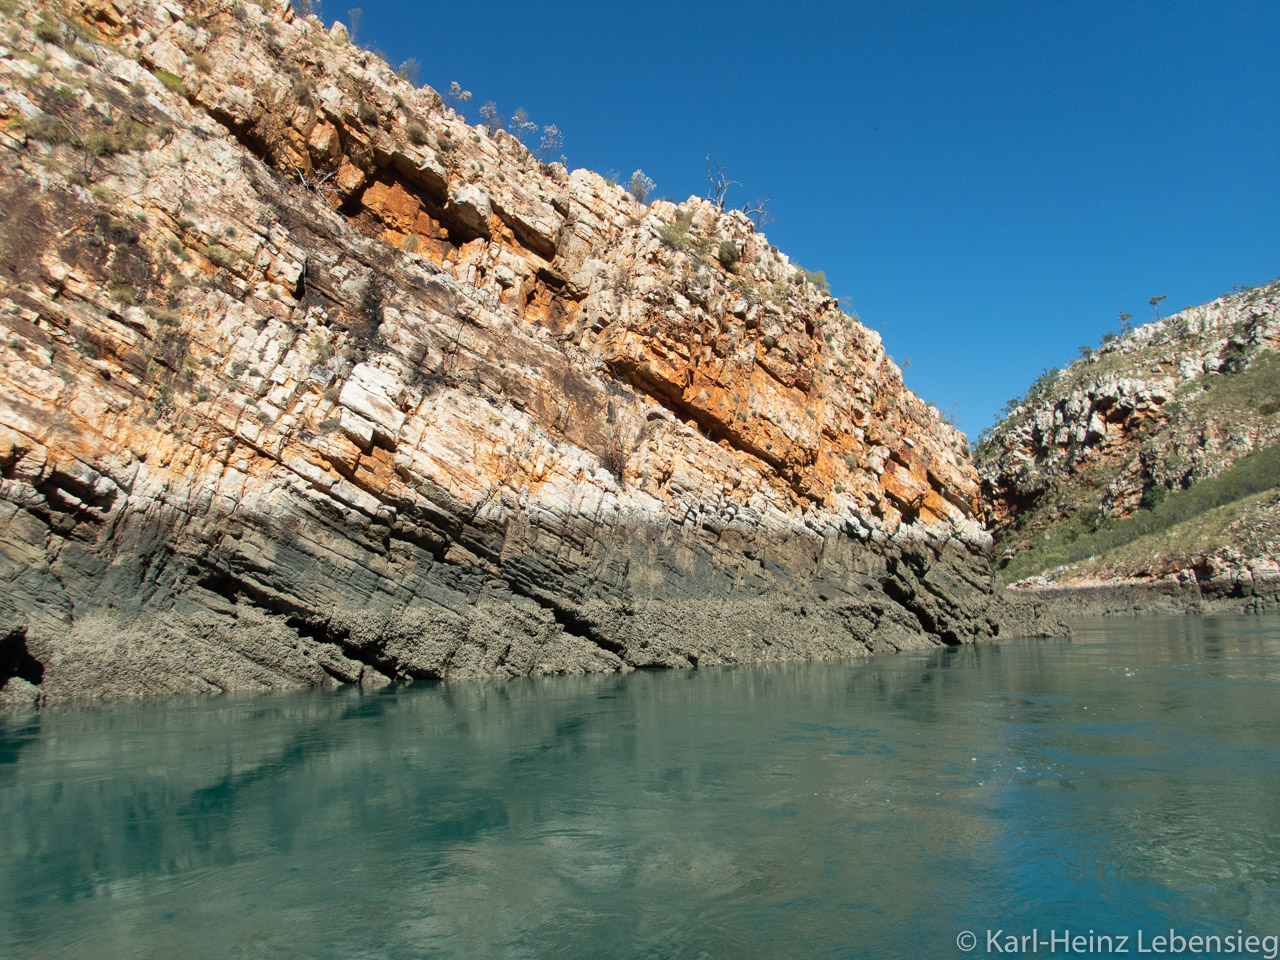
(1126, 781)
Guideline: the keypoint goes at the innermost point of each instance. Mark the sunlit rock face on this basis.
(305, 380)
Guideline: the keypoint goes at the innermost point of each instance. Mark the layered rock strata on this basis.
(1213, 589)
(305, 380)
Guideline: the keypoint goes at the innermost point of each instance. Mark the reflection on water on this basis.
(1128, 779)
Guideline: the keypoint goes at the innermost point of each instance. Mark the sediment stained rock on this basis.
(305, 380)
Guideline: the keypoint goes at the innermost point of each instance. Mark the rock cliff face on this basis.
(304, 379)
(1158, 411)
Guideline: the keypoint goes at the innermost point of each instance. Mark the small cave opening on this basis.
(16, 660)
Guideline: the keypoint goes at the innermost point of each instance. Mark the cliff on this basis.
(1149, 468)
(305, 380)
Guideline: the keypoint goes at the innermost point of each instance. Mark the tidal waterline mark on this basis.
(1005, 942)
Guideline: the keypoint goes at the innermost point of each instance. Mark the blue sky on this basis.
(988, 183)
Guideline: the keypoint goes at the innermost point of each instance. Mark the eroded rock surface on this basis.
(305, 380)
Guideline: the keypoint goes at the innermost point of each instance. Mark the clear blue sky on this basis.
(988, 183)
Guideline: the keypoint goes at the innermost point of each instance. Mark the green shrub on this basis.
(172, 82)
(80, 132)
(321, 348)
(166, 316)
(103, 143)
(48, 31)
(222, 256)
(409, 70)
(163, 399)
(728, 254)
(42, 126)
(675, 235)
(304, 91)
(640, 186)
(416, 134)
(123, 294)
(816, 277)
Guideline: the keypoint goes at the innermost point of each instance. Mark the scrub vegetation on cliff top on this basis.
(1119, 355)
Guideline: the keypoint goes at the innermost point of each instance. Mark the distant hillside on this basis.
(1155, 455)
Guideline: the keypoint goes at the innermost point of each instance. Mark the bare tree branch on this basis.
(759, 213)
(720, 184)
